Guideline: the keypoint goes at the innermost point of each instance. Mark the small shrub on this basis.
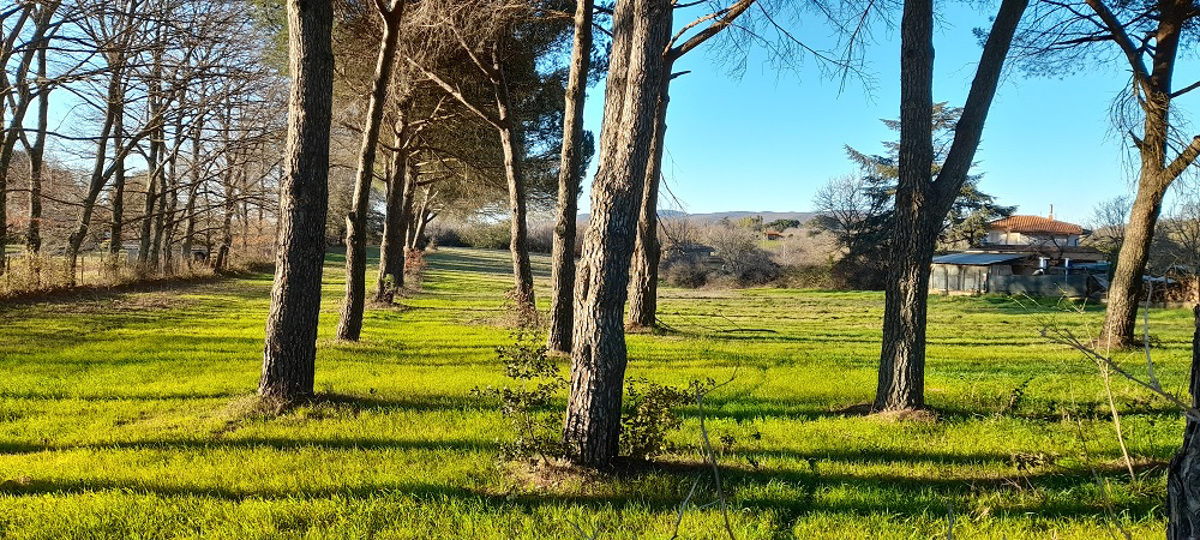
(684, 273)
(414, 265)
(806, 277)
(653, 415)
(527, 403)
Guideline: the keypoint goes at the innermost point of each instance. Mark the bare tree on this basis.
(41, 15)
(290, 350)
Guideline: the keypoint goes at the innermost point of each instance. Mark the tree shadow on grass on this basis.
(803, 492)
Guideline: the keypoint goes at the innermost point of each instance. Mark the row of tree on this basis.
(166, 128)
(472, 53)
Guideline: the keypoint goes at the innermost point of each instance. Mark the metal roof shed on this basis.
(976, 259)
(969, 272)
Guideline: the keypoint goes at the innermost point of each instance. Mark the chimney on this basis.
(1051, 211)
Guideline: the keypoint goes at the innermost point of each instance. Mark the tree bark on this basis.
(643, 299)
(189, 208)
(518, 228)
(1125, 290)
(350, 326)
(570, 174)
(36, 151)
(144, 246)
(922, 202)
(1183, 475)
(118, 197)
(641, 31)
(289, 355)
(391, 248)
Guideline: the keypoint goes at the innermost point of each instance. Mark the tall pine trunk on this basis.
(1155, 93)
(570, 174)
(391, 248)
(518, 244)
(350, 326)
(923, 202)
(641, 31)
(643, 299)
(289, 355)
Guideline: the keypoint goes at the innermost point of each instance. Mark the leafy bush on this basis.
(445, 236)
(540, 236)
(654, 414)
(527, 404)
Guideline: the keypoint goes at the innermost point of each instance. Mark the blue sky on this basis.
(767, 141)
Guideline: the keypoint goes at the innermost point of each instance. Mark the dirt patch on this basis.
(924, 415)
(555, 476)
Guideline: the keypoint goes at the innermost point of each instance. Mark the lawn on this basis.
(126, 415)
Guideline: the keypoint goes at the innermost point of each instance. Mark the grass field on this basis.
(125, 415)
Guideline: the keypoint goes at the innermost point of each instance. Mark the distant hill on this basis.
(735, 215)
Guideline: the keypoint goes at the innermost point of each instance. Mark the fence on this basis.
(1074, 285)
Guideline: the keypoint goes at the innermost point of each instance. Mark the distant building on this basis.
(772, 234)
(1033, 231)
(1023, 254)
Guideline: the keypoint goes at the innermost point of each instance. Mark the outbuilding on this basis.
(968, 273)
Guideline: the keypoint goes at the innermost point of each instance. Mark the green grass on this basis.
(126, 416)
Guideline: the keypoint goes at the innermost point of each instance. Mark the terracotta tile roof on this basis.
(1035, 225)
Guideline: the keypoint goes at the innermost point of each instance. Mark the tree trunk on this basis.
(1183, 475)
(289, 353)
(641, 30)
(643, 299)
(1156, 175)
(118, 197)
(24, 98)
(148, 208)
(518, 229)
(423, 217)
(1125, 290)
(164, 238)
(570, 174)
(36, 151)
(391, 248)
(189, 208)
(921, 202)
(350, 326)
(115, 107)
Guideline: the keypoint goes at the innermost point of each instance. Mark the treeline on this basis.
(147, 130)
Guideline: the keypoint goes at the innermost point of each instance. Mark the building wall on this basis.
(958, 278)
(1003, 238)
